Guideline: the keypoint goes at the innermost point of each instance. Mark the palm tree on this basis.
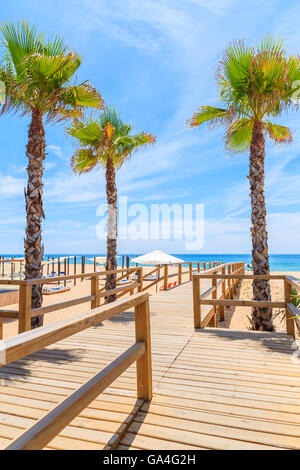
(254, 84)
(106, 141)
(37, 75)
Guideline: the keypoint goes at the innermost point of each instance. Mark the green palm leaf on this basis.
(104, 136)
(254, 84)
(279, 134)
(83, 161)
(209, 113)
(238, 136)
(39, 75)
(82, 95)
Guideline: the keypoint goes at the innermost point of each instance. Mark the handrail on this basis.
(291, 311)
(26, 312)
(199, 299)
(179, 274)
(45, 429)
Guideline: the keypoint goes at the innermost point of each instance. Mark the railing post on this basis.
(196, 302)
(222, 308)
(65, 270)
(131, 292)
(58, 268)
(82, 267)
(204, 266)
(24, 308)
(179, 274)
(95, 291)
(229, 282)
(165, 277)
(140, 279)
(290, 324)
(198, 266)
(191, 271)
(214, 295)
(143, 364)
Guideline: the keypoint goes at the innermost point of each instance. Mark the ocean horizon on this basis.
(278, 262)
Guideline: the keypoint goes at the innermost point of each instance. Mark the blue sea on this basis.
(277, 262)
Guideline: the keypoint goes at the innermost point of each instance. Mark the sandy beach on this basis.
(236, 319)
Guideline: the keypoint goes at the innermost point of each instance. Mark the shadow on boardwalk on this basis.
(22, 368)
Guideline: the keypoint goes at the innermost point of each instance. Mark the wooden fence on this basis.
(228, 283)
(25, 312)
(45, 429)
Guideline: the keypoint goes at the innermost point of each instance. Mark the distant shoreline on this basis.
(278, 262)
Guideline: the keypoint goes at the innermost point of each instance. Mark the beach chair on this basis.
(55, 290)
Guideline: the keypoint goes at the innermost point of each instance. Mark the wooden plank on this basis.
(61, 305)
(196, 301)
(42, 432)
(205, 389)
(222, 426)
(293, 281)
(166, 277)
(193, 438)
(213, 320)
(118, 290)
(34, 340)
(24, 308)
(240, 276)
(95, 301)
(143, 364)
(9, 314)
(244, 303)
(290, 325)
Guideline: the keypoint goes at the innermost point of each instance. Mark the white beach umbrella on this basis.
(157, 257)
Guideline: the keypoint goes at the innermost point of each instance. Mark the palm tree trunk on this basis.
(111, 252)
(261, 317)
(34, 249)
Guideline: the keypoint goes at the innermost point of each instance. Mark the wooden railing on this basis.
(45, 429)
(25, 312)
(228, 284)
(227, 291)
(162, 273)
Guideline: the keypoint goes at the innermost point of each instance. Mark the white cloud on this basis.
(11, 186)
(55, 149)
(49, 165)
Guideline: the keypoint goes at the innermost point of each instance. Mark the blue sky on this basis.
(155, 60)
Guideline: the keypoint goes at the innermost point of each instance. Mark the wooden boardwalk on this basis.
(213, 389)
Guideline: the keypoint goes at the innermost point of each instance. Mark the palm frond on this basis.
(105, 136)
(279, 134)
(87, 133)
(83, 160)
(54, 71)
(238, 136)
(19, 41)
(209, 113)
(41, 75)
(84, 95)
(254, 84)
